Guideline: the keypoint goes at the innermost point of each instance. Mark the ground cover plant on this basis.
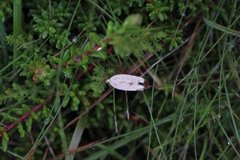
(57, 55)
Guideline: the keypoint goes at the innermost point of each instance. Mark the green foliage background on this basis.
(188, 111)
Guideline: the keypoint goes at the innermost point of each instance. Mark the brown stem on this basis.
(49, 98)
(26, 115)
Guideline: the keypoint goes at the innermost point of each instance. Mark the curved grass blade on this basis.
(221, 28)
(127, 138)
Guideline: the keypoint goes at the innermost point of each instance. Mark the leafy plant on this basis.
(59, 54)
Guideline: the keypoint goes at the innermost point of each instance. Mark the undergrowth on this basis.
(57, 55)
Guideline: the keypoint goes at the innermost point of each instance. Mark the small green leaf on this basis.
(34, 115)
(110, 28)
(5, 141)
(8, 117)
(2, 17)
(29, 124)
(100, 54)
(65, 101)
(133, 20)
(44, 35)
(21, 130)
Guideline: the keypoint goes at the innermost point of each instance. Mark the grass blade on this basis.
(17, 24)
(109, 150)
(76, 138)
(128, 138)
(221, 28)
(3, 43)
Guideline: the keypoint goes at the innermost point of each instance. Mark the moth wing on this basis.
(128, 77)
(126, 82)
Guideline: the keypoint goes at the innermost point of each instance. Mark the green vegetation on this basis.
(56, 56)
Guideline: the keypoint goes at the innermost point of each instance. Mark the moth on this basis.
(126, 82)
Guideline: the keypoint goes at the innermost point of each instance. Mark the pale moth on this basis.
(126, 82)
